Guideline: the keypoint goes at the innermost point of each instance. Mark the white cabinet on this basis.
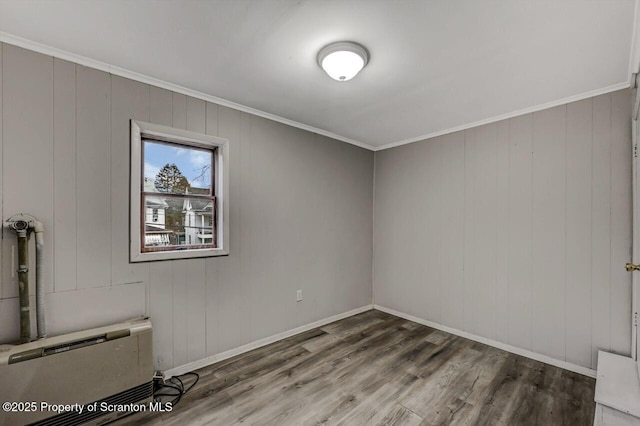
(617, 391)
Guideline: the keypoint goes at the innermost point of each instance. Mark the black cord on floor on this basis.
(174, 387)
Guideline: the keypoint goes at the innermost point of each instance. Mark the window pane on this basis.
(172, 222)
(176, 169)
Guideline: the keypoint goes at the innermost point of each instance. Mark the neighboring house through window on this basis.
(179, 194)
(155, 233)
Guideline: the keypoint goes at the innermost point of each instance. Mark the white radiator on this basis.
(103, 368)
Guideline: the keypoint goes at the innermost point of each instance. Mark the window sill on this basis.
(177, 254)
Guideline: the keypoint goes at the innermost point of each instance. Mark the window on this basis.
(179, 194)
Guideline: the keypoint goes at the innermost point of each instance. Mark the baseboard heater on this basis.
(101, 370)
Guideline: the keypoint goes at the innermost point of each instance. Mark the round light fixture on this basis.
(343, 60)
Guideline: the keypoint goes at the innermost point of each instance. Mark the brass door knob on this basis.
(632, 267)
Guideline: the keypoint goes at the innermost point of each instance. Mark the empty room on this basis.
(319, 212)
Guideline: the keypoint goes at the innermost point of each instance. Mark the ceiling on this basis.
(435, 66)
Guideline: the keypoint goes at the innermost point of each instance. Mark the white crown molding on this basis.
(505, 347)
(103, 66)
(575, 98)
(132, 75)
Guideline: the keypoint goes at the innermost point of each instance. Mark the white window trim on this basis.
(138, 129)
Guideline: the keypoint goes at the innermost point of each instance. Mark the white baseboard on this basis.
(505, 347)
(176, 371)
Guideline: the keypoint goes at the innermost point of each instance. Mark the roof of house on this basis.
(153, 202)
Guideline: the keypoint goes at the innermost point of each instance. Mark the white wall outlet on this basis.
(299, 296)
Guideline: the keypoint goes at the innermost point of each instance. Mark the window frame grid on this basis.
(219, 192)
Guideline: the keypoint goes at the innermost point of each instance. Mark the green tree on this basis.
(171, 179)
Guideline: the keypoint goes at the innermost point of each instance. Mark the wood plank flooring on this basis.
(377, 369)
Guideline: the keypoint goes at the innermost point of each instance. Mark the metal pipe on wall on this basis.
(23, 225)
(22, 228)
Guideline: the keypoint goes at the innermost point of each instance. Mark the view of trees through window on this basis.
(178, 196)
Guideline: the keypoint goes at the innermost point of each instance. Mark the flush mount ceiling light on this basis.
(343, 60)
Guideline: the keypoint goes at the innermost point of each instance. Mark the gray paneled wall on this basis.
(301, 214)
(517, 231)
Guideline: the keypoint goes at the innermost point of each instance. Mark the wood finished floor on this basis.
(377, 369)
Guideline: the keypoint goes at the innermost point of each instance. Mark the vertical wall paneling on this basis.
(129, 100)
(412, 217)
(196, 309)
(385, 226)
(9, 317)
(85, 308)
(161, 313)
(358, 225)
(64, 180)
(211, 265)
(67, 127)
(263, 195)
(621, 213)
(93, 177)
(211, 125)
(400, 224)
(160, 286)
(393, 245)
(161, 106)
(601, 227)
(519, 229)
(483, 250)
(578, 263)
(2, 234)
(446, 211)
(501, 293)
(179, 290)
(212, 312)
(227, 328)
(196, 115)
(196, 269)
(547, 228)
(549, 231)
(27, 152)
(179, 295)
(179, 120)
(452, 213)
(308, 223)
(432, 228)
(468, 302)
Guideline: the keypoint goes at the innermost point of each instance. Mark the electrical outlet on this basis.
(299, 296)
